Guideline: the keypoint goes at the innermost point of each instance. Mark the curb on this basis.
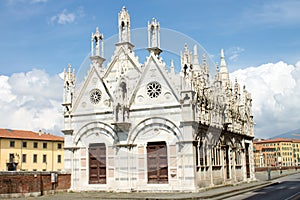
(241, 191)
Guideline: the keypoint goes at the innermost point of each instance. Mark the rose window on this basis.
(153, 89)
(95, 96)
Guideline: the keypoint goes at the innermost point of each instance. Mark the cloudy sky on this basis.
(38, 38)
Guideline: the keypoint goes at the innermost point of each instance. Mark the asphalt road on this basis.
(287, 188)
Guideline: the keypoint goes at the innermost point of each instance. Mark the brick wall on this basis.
(32, 182)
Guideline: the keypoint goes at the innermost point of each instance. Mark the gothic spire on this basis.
(154, 37)
(124, 25)
(204, 66)
(97, 43)
(172, 67)
(223, 69)
(97, 49)
(195, 59)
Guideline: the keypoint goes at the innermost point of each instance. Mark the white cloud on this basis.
(63, 18)
(31, 101)
(234, 52)
(275, 89)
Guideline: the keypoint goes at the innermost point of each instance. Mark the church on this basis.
(134, 126)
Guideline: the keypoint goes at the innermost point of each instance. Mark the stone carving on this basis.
(121, 109)
(218, 104)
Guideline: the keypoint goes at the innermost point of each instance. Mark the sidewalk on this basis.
(213, 193)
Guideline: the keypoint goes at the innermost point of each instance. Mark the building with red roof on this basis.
(22, 150)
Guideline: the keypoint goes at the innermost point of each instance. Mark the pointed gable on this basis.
(123, 62)
(154, 87)
(124, 66)
(93, 94)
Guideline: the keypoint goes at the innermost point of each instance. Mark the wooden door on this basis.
(157, 162)
(97, 163)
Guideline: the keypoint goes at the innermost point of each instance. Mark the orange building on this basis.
(276, 152)
(30, 151)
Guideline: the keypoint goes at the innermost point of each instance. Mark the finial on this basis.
(223, 68)
(172, 63)
(185, 47)
(195, 50)
(124, 8)
(222, 53)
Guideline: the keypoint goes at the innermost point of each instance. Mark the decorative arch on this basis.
(238, 143)
(92, 126)
(228, 140)
(152, 122)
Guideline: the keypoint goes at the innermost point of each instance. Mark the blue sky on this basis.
(38, 38)
(253, 32)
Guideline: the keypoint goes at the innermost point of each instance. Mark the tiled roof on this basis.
(277, 140)
(29, 135)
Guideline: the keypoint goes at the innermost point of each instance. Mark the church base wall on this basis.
(140, 187)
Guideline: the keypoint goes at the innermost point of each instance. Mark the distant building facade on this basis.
(29, 151)
(134, 126)
(276, 152)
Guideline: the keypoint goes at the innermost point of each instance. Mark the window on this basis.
(153, 89)
(24, 158)
(34, 158)
(59, 146)
(95, 96)
(215, 156)
(35, 145)
(58, 158)
(202, 155)
(11, 157)
(238, 157)
(44, 158)
(44, 145)
(12, 143)
(24, 144)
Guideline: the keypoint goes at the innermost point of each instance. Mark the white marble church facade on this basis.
(135, 126)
